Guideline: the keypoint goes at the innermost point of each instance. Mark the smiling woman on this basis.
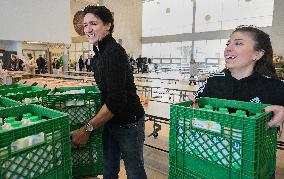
(249, 50)
(240, 55)
(249, 74)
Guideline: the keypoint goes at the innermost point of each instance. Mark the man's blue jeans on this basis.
(126, 142)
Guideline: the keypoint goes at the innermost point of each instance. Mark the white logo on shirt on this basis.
(255, 100)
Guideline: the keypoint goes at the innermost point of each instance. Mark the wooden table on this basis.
(79, 73)
(79, 78)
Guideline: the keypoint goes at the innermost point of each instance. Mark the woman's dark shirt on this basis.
(255, 88)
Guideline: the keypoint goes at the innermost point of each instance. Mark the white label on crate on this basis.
(207, 125)
(202, 124)
(214, 126)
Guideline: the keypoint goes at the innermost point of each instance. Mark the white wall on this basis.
(35, 20)
(277, 35)
(127, 23)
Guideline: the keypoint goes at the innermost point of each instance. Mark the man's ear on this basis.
(108, 26)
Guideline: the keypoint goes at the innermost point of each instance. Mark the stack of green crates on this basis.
(13, 88)
(87, 160)
(23, 92)
(5, 103)
(49, 158)
(221, 139)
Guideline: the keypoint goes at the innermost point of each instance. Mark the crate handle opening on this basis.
(27, 143)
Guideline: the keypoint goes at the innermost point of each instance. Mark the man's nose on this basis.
(88, 29)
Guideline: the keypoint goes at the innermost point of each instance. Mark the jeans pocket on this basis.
(136, 129)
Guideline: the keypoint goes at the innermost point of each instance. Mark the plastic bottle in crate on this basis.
(224, 110)
(14, 163)
(37, 138)
(8, 121)
(20, 143)
(208, 107)
(37, 160)
(241, 113)
(26, 118)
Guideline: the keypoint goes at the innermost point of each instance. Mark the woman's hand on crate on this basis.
(80, 136)
(195, 101)
(278, 115)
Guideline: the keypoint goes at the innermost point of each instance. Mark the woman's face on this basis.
(240, 54)
(94, 28)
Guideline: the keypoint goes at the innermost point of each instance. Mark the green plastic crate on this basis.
(176, 173)
(81, 108)
(12, 88)
(29, 92)
(5, 102)
(87, 160)
(50, 158)
(220, 145)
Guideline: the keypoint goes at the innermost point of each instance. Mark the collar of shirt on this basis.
(102, 44)
(246, 79)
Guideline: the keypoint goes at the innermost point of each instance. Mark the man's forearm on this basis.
(102, 117)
